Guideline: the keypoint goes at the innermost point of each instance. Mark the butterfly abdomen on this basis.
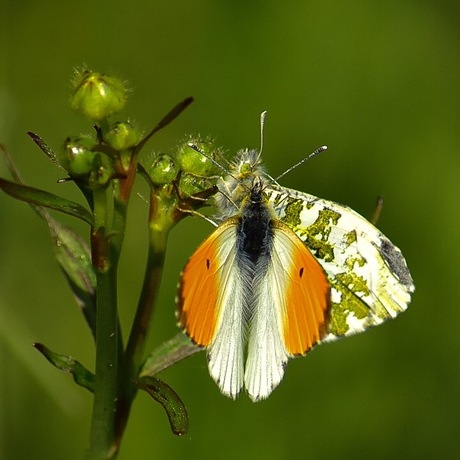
(255, 229)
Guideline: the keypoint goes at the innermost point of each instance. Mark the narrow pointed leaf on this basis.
(168, 398)
(74, 259)
(82, 376)
(72, 255)
(174, 113)
(17, 177)
(48, 200)
(45, 148)
(168, 118)
(167, 354)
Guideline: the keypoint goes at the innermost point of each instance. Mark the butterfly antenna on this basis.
(223, 168)
(263, 115)
(313, 154)
(197, 149)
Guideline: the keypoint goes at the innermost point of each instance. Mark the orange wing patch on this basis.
(198, 294)
(200, 288)
(307, 300)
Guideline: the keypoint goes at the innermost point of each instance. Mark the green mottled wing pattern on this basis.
(370, 281)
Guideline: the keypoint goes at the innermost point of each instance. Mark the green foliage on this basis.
(168, 398)
(41, 198)
(377, 82)
(82, 376)
(104, 168)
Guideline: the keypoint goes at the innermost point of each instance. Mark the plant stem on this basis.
(106, 383)
(151, 285)
(159, 227)
(105, 260)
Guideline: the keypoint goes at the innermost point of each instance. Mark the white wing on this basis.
(211, 299)
(370, 281)
(226, 352)
(290, 310)
(267, 356)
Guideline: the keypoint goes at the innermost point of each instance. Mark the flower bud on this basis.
(97, 95)
(102, 172)
(122, 136)
(193, 162)
(163, 170)
(77, 158)
(190, 185)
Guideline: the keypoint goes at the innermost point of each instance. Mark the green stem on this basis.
(105, 260)
(160, 225)
(106, 382)
(152, 280)
(100, 209)
(120, 211)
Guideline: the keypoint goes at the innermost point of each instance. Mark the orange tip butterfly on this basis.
(283, 272)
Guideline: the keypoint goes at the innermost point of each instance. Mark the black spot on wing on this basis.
(395, 260)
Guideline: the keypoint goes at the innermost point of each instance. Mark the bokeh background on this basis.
(378, 82)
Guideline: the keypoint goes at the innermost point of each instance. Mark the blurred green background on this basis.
(378, 82)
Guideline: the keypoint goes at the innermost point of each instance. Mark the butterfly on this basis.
(283, 272)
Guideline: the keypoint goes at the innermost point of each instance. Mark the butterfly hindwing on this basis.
(211, 306)
(369, 278)
(290, 311)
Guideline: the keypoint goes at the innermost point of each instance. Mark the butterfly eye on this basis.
(246, 169)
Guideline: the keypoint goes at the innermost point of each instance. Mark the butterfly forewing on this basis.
(306, 293)
(211, 307)
(369, 278)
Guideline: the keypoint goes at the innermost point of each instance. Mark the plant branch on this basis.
(106, 381)
(159, 227)
(105, 256)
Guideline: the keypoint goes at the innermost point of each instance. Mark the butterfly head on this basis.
(236, 186)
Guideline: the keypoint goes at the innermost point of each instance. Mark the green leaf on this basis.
(41, 198)
(71, 253)
(168, 118)
(168, 398)
(80, 374)
(45, 148)
(74, 259)
(167, 354)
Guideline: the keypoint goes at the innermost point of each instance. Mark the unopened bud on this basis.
(122, 136)
(97, 95)
(77, 158)
(163, 170)
(194, 157)
(190, 185)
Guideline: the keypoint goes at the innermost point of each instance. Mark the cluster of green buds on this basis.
(195, 158)
(93, 161)
(183, 180)
(85, 164)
